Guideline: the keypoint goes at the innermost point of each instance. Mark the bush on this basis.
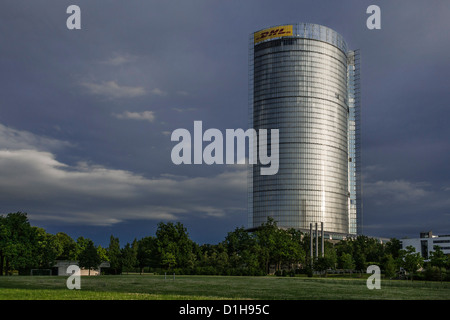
(434, 273)
(308, 271)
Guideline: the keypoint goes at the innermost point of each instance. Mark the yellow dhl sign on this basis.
(275, 32)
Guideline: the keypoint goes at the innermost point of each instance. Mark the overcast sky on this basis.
(86, 115)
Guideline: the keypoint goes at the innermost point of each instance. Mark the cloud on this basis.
(33, 180)
(399, 191)
(13, 139)
(159, 92)
(95, 195)
(119, 59)
(112, 90)
(145, 115)
(184, 109)
(404, 207)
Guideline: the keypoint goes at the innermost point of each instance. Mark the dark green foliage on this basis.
(115, 256)
(268, 249)
(23, 247)
(174, 246)
(88, 257)
(128, 256)
(147, 253)
(68, 247)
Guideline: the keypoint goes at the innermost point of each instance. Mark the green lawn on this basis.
(152, 287)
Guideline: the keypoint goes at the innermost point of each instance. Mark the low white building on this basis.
(62, 266)
(425, 244)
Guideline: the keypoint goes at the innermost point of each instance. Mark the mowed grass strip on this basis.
(48, 294)
(151, 287)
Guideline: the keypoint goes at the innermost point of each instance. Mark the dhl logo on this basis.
(270, 33)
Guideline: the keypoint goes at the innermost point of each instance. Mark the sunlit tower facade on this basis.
(304, 82)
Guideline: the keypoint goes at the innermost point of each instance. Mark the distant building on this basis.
(425, 244)
(60, 268)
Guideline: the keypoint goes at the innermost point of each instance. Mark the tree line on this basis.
(267, 250)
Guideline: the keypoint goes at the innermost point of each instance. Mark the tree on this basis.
(102, 253)
(173, 241)
(389, 266)
(4, 236)
(393, 248)
(346, 261)
(220, 258)
(282, 248)
(68, 247)
(305, 244)
(168, 259)
(114, 255)
(46, 248)
(438, 258)
(244, 252)
(16, 249)
(323, 264)
(366, 250)
(213, 258)
(438, 261)
(89, 257)
(410, 260)
(330, 253)
(147, 253)
(360, 259)
(129, 256)
(81, 244)
(345, 247)
(297, 253)
(266, 239)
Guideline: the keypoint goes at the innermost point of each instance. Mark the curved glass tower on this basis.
(299, 83)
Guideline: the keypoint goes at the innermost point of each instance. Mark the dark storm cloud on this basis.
(406, 152)
(88, 113)
(95, 195)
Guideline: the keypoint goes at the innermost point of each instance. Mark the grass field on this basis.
(153, 287)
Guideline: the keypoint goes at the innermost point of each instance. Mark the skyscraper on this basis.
(305, 82)
(354, 142)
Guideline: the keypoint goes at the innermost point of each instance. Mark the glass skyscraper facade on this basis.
(305, 82)
(354, 142)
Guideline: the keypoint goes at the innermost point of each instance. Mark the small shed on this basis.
(62, 265)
